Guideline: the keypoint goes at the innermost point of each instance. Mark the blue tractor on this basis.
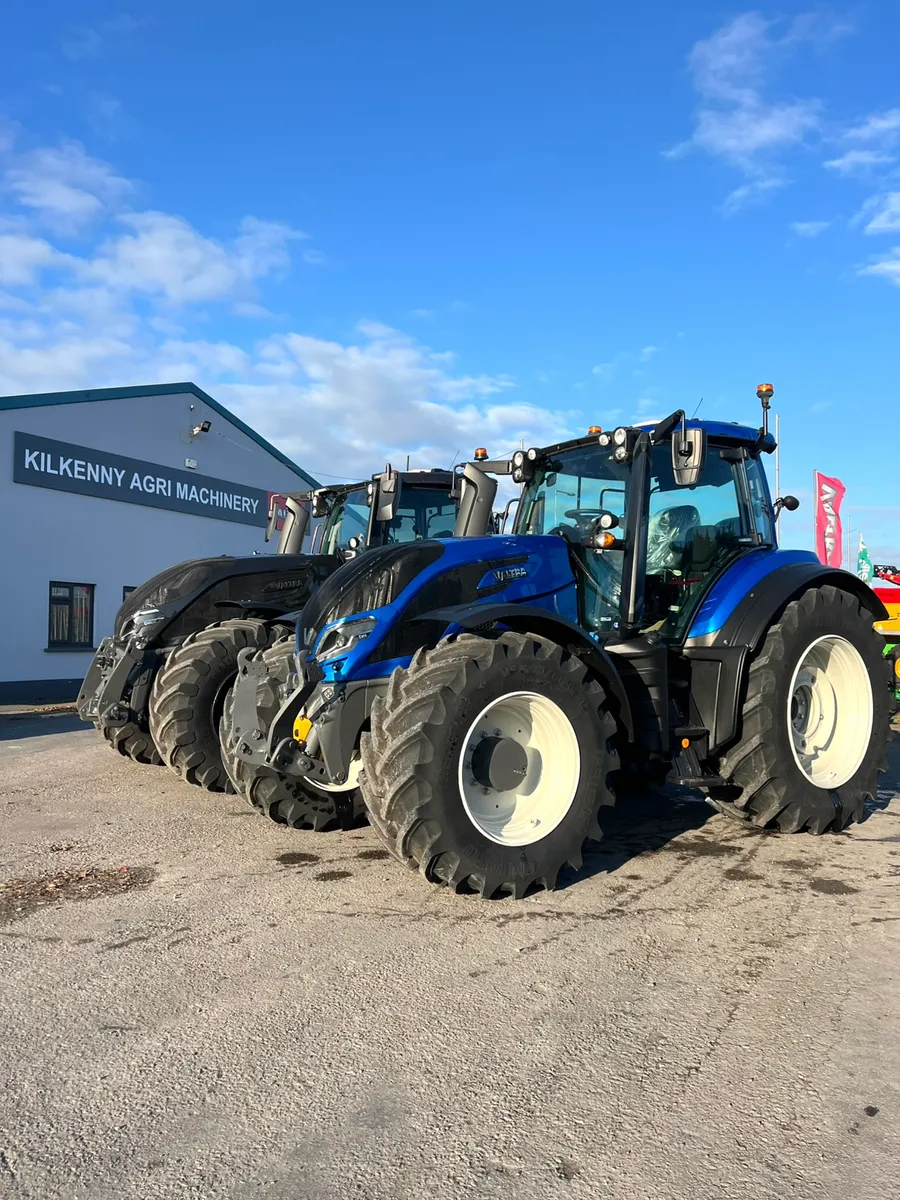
(483, 699)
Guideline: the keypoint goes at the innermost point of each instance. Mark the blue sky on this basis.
(380, 229)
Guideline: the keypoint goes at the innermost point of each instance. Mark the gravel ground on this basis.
(243, 1011)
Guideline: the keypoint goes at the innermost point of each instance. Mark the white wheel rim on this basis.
(830, 712)
(551, 768)
(352, 779)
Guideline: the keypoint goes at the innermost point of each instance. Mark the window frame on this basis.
(58, 600)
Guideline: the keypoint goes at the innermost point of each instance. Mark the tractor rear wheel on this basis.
(131, 742)
(815, 722)
(488, 762)
(285, 801)
(189, 693)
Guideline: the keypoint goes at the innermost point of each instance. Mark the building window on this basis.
(71, 615)
(126, 592)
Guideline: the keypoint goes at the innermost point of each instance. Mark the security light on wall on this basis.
(203, 427)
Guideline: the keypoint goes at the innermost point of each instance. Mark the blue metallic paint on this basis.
(734, 584)
(549, 583)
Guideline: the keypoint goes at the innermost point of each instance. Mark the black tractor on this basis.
(157, 685)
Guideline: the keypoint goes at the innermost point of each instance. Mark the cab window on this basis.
(423, 513)
(760, 503)
(566, 496)
(692, 534)
(349, 518)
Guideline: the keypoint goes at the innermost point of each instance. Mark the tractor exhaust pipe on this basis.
(294, 529)
(476, 502)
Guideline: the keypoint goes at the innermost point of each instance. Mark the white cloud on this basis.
(262, 246)
(74, 362)
(63, 184)
(887, 213)
(735, 121)
(107, 116)
(163, 255)
(888, 267)
(809, 229)
(858, 162)
(876, 127)
(82, 41)
(106, 316)
(605, 371)
(23, 257)
(382, 395)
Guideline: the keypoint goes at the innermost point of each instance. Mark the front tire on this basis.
(815, 723)
(285, 801)
(132, 742)
(189, 693)
(488, 762)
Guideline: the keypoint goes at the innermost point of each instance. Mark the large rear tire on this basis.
(488, 762)
(189, 693)
(815, 722)
(285, 801)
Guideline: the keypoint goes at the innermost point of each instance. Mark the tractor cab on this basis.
(646, 536)
(389, 508)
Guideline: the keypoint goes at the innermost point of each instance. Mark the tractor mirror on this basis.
(272, 523)
(387, 495)
(688, 456)
(321, 504)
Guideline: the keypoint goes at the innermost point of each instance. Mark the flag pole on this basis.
(777, 463)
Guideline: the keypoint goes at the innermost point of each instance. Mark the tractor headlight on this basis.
(518, 475)
(518, 458)
(620, 436)
(340, 639)
(532, 454)
(621, 453)
(605, 439)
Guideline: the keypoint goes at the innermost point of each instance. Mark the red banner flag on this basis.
(829, 531)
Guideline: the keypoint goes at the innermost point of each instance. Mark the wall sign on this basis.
(42, 462)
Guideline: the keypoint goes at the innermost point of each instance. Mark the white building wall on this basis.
(57, 535)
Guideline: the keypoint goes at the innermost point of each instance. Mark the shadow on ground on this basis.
(17, 729)
(639, 824)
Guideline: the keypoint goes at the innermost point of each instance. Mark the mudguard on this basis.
(529, 618)
(724, 634)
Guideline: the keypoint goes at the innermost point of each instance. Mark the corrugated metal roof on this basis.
(45, 399)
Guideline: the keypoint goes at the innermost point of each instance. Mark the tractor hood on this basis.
(281, 581)
(396, 590)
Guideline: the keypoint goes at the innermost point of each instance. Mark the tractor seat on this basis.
(705, 548)
(668, 535)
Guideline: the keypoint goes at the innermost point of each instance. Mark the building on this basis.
(100, 490)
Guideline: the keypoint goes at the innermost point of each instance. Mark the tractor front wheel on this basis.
(132, 742)
(285, 801)
(815, 722)
(488, 761)
(189, 693)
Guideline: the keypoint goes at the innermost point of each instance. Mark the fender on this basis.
(529, 618)
(720, 660)
(752, 616)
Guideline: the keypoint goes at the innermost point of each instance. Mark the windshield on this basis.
(423, 513)
(568, 493)
(348, 518)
